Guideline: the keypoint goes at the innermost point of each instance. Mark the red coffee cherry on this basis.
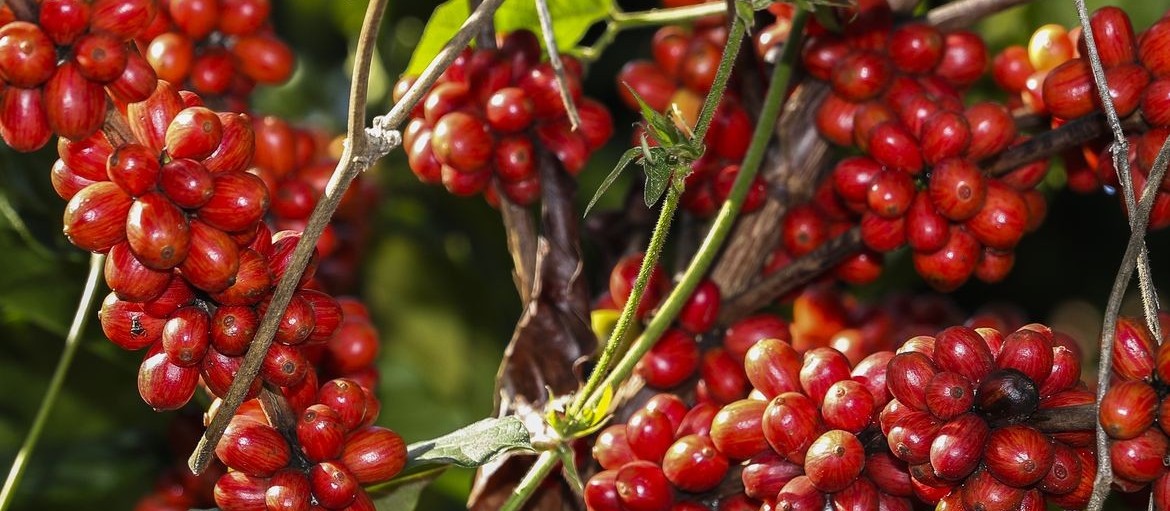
(100, 57)
(848, 406)
(890, 193)
(908, 378)
(1000, 223)
(24, 123)
(791, 422)
(984, 491)
(252, 447)
(671, 361)
(737, 429)
(289, 490)
(693, 464)
(128, 278)
(27, 56)
(700, 310)
(957, 449)
(64, 20)
(95, 218)
(374, 454)
(910, 436)
(163, 385)
(197, 18)
(264, 58)
(893, 145)
(1128, 409)
(958, 188)
(1113, 33)
(158, 232)
(945, 135)
(122, 18)
(1133, 357)
(1065, 473)
(333, 485)
(600, 492)
(76, 106)
(861, 76)
(834, 461)
(194, 133)
(136, 82)
(1019, 455)
(186, 336)
(1011, 68)
(345, 397)
(212, 259)
(232, 328)
(949, 395)
(642, 486)
(964, 60)
(612, 448)
(800, 494)
(1139, 459)
(992, 129)
(916, 48)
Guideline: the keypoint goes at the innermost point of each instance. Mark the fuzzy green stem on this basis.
(619, 21)
(72, 341)
(649, 261)
(761, 137)
(656, 17)
(665, 217)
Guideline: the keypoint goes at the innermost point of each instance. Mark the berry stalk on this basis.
(72, 341)
(587, 397)
(354, 160)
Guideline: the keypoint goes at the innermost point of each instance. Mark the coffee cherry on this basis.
(238, 490)
(264, 58)
(333, 486)
(650, 434)
(834, 460)
(800, 494)
(1006, 396)
(621, 283)
(671, 361)
(27, 56)
(693, 464)
(462, 141)
(983, 492)
(24, 124)
(848, 406)
(197, 18)
(888, 473)
(964, 59)
(834, 120)
(910, 436)
(642, 486)
(164, 385)
(948, 395)
(158, 231)
(1065, 473)
(122, 18)
(908, 378)
(945, 135)
(232, 328)
(374, 454)
(861, 76)
(77, 106)
(957, 449)
(212, 259)
(1140, 459)
(771, 365)
(64, 20)
(916, 48)
(600, 493)
(509, 110)
(186, 336)
(345, 397)
(612, 448)
(892, 145)
(1133, 350)
(860, 495)
(737, 430)
(252, 447)
(700, 310)
(100, 57)
(288, 490)
(194, 133)
(949, 267)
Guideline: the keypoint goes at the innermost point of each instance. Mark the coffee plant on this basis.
(849, 255)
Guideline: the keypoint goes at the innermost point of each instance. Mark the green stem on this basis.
(665, 217)
(656, 17)
(761, 137)
(619, 21)
(72, 341)
(653, 251)
(539, 470)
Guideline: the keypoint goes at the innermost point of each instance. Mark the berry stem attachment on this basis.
(282, 417)
(354, 160)
(72, 341)
(1069, 418)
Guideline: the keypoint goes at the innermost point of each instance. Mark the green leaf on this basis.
(569, 468)
(402, 493)
(622, 163)
(571, 19)
(473, 445)
(661, 127)
(657, 177)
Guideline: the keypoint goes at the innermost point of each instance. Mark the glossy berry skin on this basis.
(78, 105)
(158, 232)
(509, 110)
(24, 125)
(27, 56)
(861, 76)
(892, 145)
(693, 464)
(672, 360)
(462, 141)
(848, 406)
(949, 395)
(916, 47)
(374, 454)
(1000, 223)
(957, 449)
(650, 434)
(737, 430)
(600, 492)
(700, 310)
(1019, 455)
(252, 447)
(1006, 396)
(958, 188)
(164, 385)
(642, 486)
(773, 367)
(1139, 459)
(834, 460)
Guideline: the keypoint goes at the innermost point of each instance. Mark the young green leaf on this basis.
(569, 468)
(657, 178)
(473, 445)
(661, 127)
(571, 19)
(623, 162)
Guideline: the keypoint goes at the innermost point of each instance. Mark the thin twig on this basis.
(966, 12)
(282, 417)
(1120, 151)
(554, 59)
(519, 227)
(1063, 419)
(72, 341)
(354, 160)
(384, 135)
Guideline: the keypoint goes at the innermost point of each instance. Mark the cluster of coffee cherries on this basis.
(679, 77)
(1137, 68)
(1133, 412)
(896, 97)
(960, 419)
(58, 67)
(340, 450)
(219, 48)
(481, 123)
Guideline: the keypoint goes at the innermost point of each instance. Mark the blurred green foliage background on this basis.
(436, 278)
